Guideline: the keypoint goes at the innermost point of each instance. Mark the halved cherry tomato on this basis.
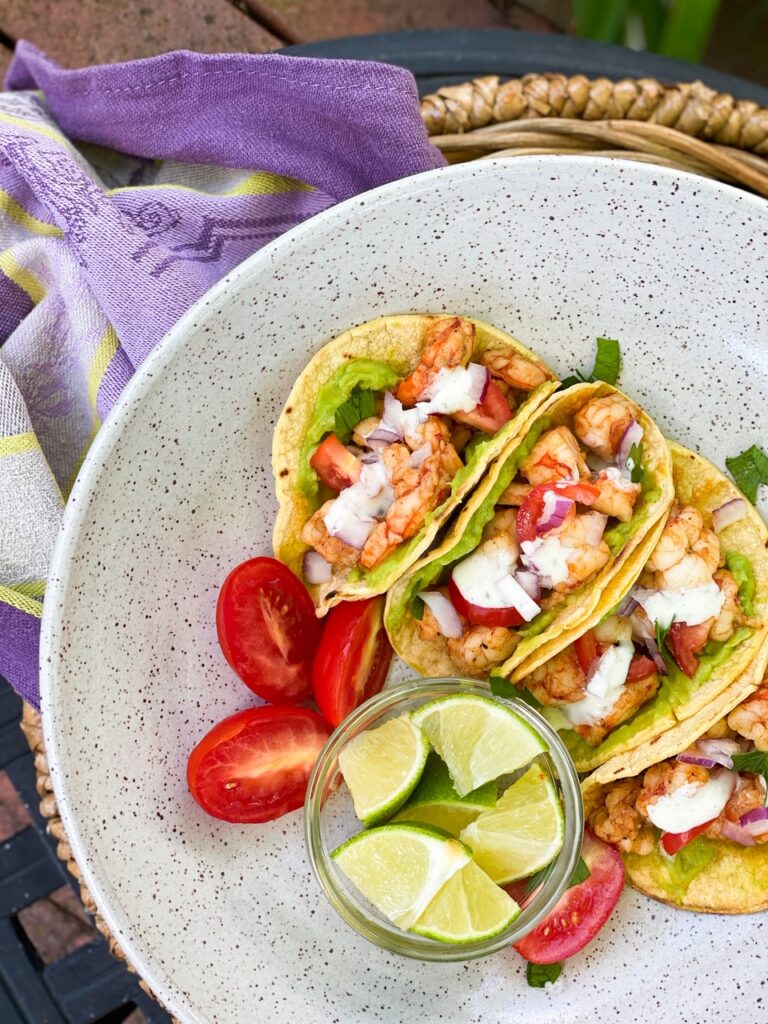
(480, 616)
(336, 467)
(489, 415)
(254, 766)
(268, 629)
(673, 842)
(581, 911)
(586, 649)
(353, 658)
(640, 667)
(532, 506)
(685, 642)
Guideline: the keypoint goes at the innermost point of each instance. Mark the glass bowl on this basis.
(329, 820)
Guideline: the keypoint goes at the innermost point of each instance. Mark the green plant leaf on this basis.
(749, 470)
(539, 975)
(687, 28)
(601, 19)
(607, 361)
(358, 407)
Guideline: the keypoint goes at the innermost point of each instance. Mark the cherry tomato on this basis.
(673, 842)
(532, 506)
(640, 667)
(685, 642)
(489, 415)
(581, 911)
(268, 630)
(353, 658)
(254, 766)
(480, 616)
(336, 467)
(586, 649)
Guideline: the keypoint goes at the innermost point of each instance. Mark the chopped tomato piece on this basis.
(673, 842)
(532, 506)
(685, 642)
(489, 415)
(480, 616)
(640, 667)
(586, 649)
(336, 467)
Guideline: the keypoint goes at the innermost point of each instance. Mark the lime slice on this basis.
(382, 767)
(436, 802)
(523, 833)
(401, 868)
(477, 738)
(468, 908)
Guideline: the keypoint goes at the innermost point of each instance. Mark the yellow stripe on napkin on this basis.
(11, 596)
(24, 278)
(102, 357)
(19, 215)
(18, 444)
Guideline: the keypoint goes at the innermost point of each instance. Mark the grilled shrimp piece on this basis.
(617, 821)
(436, 432)
(748, 795)
(448, 343)
(427, 624)
(584, 557)
(613, 630)
(515, 494)
(315, 533)
(514, 369)
(502, 524)
(750, 718)
(561, 680)
(480, 648)
(365, 427)
(687, 554)
(555, 456)
(666, 777)
(731, 614)
(617, 495)
(600, 425)
(635, 693)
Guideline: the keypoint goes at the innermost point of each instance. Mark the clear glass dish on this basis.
(329, 820)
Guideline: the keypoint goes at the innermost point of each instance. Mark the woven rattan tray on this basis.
(686, 126)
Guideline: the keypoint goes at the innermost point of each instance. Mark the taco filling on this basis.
(556, 525)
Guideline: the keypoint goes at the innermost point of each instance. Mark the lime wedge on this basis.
(401, 868)
(382, 767)
(523, 833)
(436, 802)
(468, 908)
(478, 739)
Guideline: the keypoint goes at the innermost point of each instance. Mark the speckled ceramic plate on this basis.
(225, 922)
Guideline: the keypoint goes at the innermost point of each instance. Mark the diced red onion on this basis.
(481, 378)
(736, 833)
(720, 751)
(356, 531)
(653, 649)
(556, 515)
(731, 512)
(418, 456)
(757, 816)
(631, 436)
(381, 437)
(627, 606)
(595, 522)
(705, 762)
(393, 415)
(354, 450)
(315, 569)
(530, 582)
(446, 616)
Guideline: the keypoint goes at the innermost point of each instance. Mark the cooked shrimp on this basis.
(480, 648)
(555, 456)
(748, 796)
(584, 557)
(365, 427)
(636, 692)
(515, 494)
(666, 777)
(613, 630)
(731, 614)
(435, 432)
(448, 343)
(617, 495)
(687, 554)
(514, 369)
(750, 718)
(427, 624)
(502, 524)
(397, 459)
(720, 731)
(561, 680)
(617, 821)
(600, 425)
(461, 435)
(315, 534)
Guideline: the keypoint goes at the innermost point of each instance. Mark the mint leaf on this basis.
(358, 407)
(607, 361)
(539, 975)
(580, 873)
(635, 463)
(749, 470)
(755, 761)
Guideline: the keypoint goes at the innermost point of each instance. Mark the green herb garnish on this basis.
(539, 975)
(749, 470)
(606, 368)
(580, 873)
(635, 463)
(661, 640)
(417, 608)
(358, 407)
(755, 761)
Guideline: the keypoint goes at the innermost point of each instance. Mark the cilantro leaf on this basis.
(359, 406)
(607, 361)
(417, 608)
(661, 641)
(749, 470)
(635, 463)
(501, 687)
(580, 873)
(575, 378)
(539, 975)
(755, 761)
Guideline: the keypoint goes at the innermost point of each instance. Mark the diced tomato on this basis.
(640, 667)
(532, 506)
(685, 642)
(586, 649)
(489, 415)
(353, 658)
(255, 765)
(268, 629)
(336, 467)
(581, 911)
(675, 841)
(480, 616)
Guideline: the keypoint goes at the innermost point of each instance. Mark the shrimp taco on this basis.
(385, 432)
(695, 620)
(687, 811)
(561, 523)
